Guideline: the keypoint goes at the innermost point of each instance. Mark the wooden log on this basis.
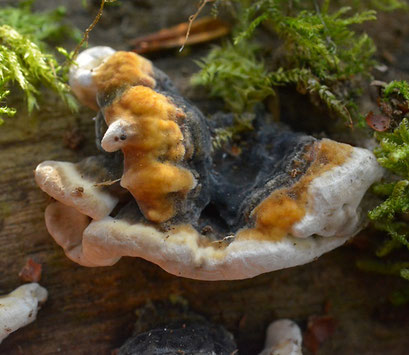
(92, 310)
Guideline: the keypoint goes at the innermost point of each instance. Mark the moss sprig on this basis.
(321, 52)
(393, 154)
(235, 74)
(24, 59)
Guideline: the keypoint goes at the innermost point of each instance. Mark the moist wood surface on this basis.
(92, 311)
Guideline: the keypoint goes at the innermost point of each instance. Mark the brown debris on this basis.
(319, 329)
(78, 191)
(379, 123)
(203, 30)
(73, 139)
(31, 272)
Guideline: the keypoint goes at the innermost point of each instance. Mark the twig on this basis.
(192, 18)
(106, 183)
(89, 29)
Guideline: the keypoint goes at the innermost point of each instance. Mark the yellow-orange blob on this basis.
(123, 69)
(153, 147)
(276, 214)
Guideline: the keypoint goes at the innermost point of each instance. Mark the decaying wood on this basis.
(92, 310)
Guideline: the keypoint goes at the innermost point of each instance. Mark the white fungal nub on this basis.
(115, 136)
(20, 307)
(283, 337)
(81, 73)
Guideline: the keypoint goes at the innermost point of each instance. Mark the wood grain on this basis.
(92, 311)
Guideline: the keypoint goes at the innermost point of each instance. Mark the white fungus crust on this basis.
(63, 182)
(181, 253)
(334, 197)
(332, 218)
(81, 74)
(283, 337)
(20, 307)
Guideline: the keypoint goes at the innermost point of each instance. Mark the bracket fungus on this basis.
(286, 199)
(20, 307)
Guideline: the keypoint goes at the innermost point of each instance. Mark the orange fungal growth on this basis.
(145, 125)
(276, 214)
(123, 69)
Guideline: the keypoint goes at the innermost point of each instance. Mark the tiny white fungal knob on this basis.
(115, 136)
(20, 307)
(283, 337)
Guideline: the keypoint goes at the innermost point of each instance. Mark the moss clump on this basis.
(235, 74)
(23, 57)
(393, 154)
(322, 54)
(400, 88)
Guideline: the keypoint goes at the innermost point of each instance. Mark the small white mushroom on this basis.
(283, 337)
(20, 307)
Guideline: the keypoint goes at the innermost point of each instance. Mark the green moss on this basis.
(382, 267)
(40, 27)
(24, 59)
(321, 55)
(398, 88)
(393, 154)
(5, 209)
(389, 5)
(235, 74)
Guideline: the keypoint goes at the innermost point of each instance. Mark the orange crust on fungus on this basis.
(275, 215)
(153, 148)
(123, 69)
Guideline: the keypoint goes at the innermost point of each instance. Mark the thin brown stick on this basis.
(89, 29)
(192, 18)
(106, 183)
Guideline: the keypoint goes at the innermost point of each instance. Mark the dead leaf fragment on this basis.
(318, 330)
(31, 272)
(203, 30)
(73, 139)
(379, 123)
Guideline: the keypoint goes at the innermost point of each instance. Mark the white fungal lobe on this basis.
(334, 197)
(63, 182)
(82, 72)
(20, 307)
(283, 337)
